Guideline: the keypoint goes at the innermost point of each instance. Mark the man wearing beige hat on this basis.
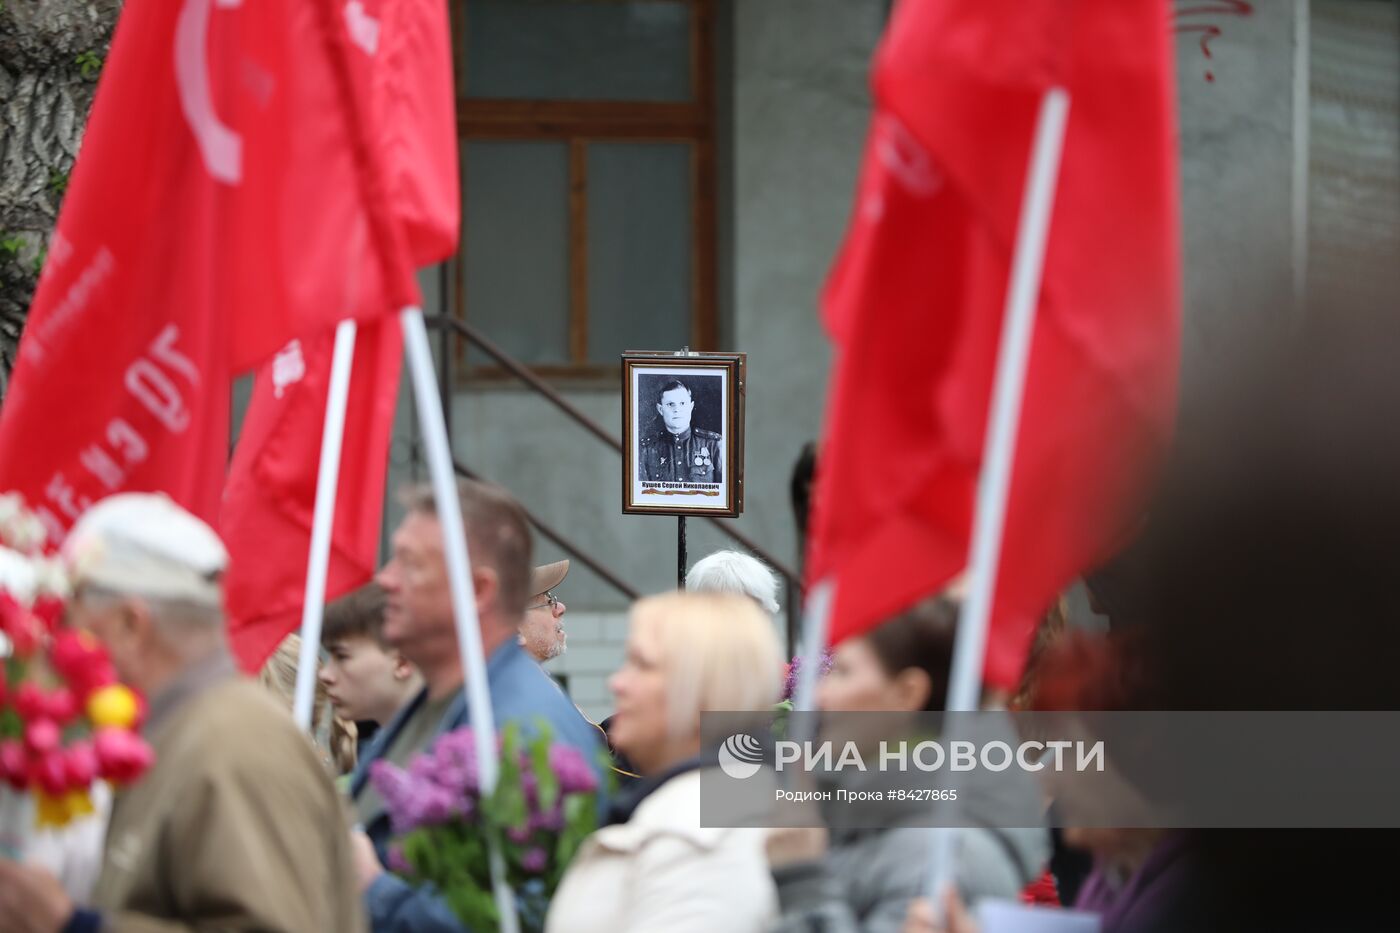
(237, 824)
(542, 631)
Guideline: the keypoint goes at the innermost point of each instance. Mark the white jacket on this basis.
(661, 871)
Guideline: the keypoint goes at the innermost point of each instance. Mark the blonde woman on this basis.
(655, 867)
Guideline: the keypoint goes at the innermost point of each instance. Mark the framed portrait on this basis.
(683, 433)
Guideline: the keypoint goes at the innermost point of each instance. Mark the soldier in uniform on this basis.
(680, 453)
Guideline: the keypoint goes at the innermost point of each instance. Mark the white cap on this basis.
(143, 543)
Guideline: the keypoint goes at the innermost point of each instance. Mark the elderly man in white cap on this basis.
(237, 825)
(542, 630)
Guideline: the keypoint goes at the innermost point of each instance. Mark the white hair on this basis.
(733, 572)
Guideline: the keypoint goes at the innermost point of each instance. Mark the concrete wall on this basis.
(801, 106)
(1239, 172)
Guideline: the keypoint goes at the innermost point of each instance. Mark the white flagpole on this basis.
(815, 617)
(999, 445)
(449, 510)
(327, 478)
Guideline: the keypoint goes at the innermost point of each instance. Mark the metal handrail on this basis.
(522, 372)
(554, 535)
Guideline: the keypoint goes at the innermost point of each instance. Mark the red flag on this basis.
(271, 493)
(915, 304)
(415, 119)
(225, 201)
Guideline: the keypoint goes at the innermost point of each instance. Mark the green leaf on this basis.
(11, 727)
(580, 820)
(89, 63)
(420, 851)
(546, 781)
(476, 908)
(508, 802)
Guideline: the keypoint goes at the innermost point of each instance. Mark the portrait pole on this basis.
(680, 519)
(680, 552)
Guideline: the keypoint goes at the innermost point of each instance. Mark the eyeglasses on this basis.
(550, 600)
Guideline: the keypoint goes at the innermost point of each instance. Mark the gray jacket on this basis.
(866, 883)
(869, 876)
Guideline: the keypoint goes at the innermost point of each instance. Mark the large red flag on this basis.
(271, 493)
(225, 201)
(915, 303)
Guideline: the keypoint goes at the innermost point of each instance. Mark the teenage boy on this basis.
(365, 679)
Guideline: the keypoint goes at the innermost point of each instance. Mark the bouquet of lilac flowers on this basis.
(544, 805)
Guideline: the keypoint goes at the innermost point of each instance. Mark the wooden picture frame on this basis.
(686, 458)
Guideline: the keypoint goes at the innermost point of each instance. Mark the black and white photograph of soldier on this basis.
(681, 428)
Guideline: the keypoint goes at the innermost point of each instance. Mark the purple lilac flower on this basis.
(552, 821)
(575, 776)
(455, 756)
(396, 786)
(459, 742)
(431, 806)
(445, 771)
(534, 860)
(795, 667)
(518, 834)
(411, 799)
(397, 863)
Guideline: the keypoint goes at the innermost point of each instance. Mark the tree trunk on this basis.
(51, 52)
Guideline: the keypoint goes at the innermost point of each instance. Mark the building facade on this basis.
(659, 174)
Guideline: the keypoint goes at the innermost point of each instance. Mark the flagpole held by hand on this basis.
(816, 616)
(318, 562)
(999, 444)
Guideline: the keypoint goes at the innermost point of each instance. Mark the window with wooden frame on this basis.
(588, 205)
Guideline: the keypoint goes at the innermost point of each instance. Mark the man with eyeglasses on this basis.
(542, 632)
(542, 636)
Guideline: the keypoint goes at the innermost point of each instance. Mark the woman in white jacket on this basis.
(655, 867)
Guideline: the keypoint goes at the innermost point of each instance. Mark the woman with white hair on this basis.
(737, 573)
(654, 867)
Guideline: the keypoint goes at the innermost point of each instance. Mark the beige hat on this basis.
(548, 576)
(144, 544)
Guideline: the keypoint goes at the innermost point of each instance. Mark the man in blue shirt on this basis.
(418, 623)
